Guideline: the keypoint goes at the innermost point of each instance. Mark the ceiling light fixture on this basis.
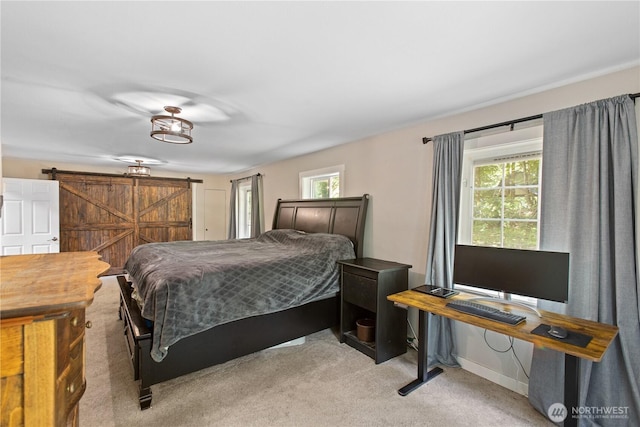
(133, 159)
(139, 170)
(171, 128)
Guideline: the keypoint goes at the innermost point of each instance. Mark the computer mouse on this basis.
(558, 332)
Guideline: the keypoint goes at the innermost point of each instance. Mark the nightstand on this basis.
(365, 284)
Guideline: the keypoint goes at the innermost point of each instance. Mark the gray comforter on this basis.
(188, 287)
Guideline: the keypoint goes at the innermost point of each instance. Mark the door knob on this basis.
(55, 239)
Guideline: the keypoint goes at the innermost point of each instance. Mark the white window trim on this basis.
(304, 192)
(473, 155)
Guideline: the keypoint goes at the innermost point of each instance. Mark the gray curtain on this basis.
(233, 210)
(445, 204)
(257, 210)
(588, 208)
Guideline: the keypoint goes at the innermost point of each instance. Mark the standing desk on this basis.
(602, 336)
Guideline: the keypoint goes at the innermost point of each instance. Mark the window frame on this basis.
(486, 155)
(307, 178)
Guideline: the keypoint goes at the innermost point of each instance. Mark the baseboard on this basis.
(493, 376)
(297, 341)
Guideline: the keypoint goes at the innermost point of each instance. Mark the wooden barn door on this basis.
(96, 214)
(114, 214)
(163, 210)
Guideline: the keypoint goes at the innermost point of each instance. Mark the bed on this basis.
(159, 355)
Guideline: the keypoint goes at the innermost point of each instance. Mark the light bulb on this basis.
(175, 126)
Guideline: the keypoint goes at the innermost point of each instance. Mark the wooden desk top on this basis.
(42, 284)
(602, 334)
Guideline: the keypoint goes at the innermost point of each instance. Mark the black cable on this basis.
(519, 362)
(495, 349)
(511, 341)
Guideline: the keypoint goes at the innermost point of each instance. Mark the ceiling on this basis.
(265, 81)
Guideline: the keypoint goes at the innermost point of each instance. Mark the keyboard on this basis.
(485, 311)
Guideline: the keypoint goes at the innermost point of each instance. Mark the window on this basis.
(499, 196)
(246, 217)
(322, 183)
(244, 209)
(505, 202)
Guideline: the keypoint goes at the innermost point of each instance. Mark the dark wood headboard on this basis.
(344, 215)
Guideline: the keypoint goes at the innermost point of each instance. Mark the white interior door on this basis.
(30, 216)
(215, 215)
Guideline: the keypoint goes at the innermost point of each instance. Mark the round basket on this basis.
(366, 330)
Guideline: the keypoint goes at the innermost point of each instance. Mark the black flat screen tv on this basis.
(537, 274)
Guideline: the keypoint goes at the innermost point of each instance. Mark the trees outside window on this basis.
(505, 203)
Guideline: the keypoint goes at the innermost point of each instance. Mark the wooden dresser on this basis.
(42, 317)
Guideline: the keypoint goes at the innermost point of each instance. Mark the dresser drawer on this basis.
(70, 331)
(76, 325)
(74, 384)
(359, 290)
(71, 385)
(76, 356)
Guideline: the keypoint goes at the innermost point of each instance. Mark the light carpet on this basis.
(318, 383)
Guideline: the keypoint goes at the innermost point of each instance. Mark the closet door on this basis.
(113, 214)
(163, 210)
(96, 214)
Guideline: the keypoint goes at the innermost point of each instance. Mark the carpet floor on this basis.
(318, 383)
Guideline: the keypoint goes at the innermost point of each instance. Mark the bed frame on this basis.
(245, 336)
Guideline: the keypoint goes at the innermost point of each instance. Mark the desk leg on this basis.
(571, 387)
(423, 374)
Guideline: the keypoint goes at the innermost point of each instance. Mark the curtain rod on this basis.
(245, 177)
(511, 123)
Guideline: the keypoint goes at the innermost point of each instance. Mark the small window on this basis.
(322, 183)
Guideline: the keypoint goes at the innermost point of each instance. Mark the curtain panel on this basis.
(588, 208)
(445, 205)
(233, 210)
(256, 207)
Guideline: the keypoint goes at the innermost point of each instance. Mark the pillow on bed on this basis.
(292, 237)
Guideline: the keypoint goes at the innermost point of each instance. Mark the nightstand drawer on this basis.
(359, 290)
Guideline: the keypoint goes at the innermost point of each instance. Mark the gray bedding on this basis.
(188, 287)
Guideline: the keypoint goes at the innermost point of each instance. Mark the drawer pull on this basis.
(71, 388)
(88, 325)
(74, 321)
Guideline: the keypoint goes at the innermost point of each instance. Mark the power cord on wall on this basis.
(510, 348)
(412, 341)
